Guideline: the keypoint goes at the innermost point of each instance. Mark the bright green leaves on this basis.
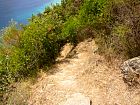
(91, 11)
(70, 29)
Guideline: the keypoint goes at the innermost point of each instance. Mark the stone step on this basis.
(77, 99)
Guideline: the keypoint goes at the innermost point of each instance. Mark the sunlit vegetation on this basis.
(115, 25)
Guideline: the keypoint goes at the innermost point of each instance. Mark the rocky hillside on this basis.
(82, 77)
(83, 70)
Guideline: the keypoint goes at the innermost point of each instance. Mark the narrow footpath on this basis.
(83, 77)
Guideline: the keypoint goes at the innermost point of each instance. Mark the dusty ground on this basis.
(87, 73)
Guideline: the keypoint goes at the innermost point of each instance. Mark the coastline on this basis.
(22, 17)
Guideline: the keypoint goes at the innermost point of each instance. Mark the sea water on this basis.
(21, 10)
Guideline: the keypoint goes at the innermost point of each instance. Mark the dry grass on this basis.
(88, 74)
(20, 95)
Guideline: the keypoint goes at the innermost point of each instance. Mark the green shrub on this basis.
(121, 30)
(24, 49)
(69, 30)
(91, 11)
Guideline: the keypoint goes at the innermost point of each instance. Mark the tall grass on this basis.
(24, 49)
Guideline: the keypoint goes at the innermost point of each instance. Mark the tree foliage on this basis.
(26, 48)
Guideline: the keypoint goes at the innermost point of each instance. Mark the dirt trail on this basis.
(86, 73)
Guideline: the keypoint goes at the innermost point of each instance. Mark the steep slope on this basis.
(86, 72)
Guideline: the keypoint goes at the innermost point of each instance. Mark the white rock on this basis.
(77, 99)
(131, 71)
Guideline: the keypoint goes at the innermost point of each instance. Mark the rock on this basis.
(66, 50)
(131, 71)
(77, 99)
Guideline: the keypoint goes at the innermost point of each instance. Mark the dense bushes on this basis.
(24, 49)
(120, 34)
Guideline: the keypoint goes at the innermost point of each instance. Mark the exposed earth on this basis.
(83, 77)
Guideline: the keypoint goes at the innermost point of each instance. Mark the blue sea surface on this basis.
(21, 10)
